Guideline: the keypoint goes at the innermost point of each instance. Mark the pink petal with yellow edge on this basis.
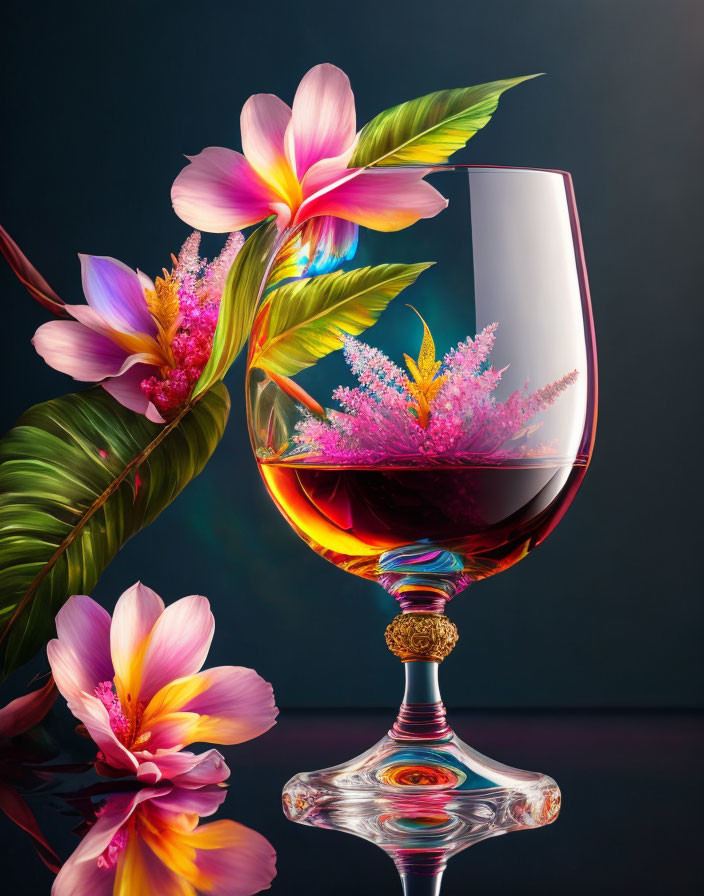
(224, 705)
(236, 705)
(219, 191)
(178, 645)
(323, 121)
(127, 389)
(183, 768)
(380, 199)
(71, 348)
(83, 627)
(136, 612)
(171, 731)
(232, 860)
(114, 291)
(263, 123)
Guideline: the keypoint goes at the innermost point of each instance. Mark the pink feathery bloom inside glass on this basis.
(379, 422)
(135, 682)
(294, 165)
(151, 842)
(146, 341)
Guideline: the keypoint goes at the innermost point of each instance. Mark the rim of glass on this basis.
(448, 166)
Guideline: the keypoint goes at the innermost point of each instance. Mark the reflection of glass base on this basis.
(422, 801)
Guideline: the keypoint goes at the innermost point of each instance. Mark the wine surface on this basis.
(489, 516)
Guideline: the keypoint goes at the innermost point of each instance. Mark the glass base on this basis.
(422, 801)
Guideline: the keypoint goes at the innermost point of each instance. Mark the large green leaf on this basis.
(305, 320)
(79, 475)
(243, 289)
(427, 130)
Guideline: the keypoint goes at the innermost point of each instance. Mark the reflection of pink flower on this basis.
(295, 167)
(465, 420)
(150, 843)
(147, 341)
(135, 683)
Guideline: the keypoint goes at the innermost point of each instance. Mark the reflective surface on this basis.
(631, 820)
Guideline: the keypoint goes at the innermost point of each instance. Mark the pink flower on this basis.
(148, 342)
(295, 167)
(150, 843)
(379, 420)
(134, 681)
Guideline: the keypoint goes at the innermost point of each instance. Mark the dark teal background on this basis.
(100, 101)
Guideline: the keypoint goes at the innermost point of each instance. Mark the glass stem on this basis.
(421, 872)
(422, 715)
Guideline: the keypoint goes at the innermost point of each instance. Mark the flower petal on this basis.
(115, 292)
(94, 716)
(211, 768)
(131, 343)
(140, 873)
(219, 192)
(136, 612)
(145, 281)
(78, 877)
(83, 630)
(170, 732)
(323, 122)
(68, 346)
(203, 801)
(183, 768)
(328, 243)
(231, 704)
(114, 814)
(263, 123)
(26, 711)
(232, 860)
(127, 389)
(381, 199)
(178, 645)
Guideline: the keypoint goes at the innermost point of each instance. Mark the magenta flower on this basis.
(135, 683)
(295, 167)
(150, 843)
(147, 342)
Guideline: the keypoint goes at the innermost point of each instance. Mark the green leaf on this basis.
(427, 130)
(243, 289)
(305, 320)
(79, 475)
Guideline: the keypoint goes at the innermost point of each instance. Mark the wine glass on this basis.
(428, 452)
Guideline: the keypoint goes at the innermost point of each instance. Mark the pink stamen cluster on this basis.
(377, 424)
(199, 288)
(119, 722)
(109, 856)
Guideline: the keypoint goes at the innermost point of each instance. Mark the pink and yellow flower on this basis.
(147, 341)
(294, 165)
(150, 843)
(134, 681)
